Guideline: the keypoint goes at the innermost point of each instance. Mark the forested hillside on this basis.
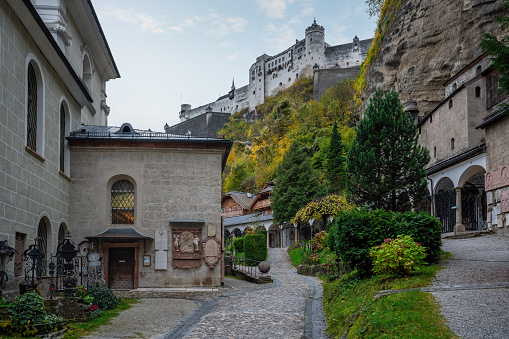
(290, 115)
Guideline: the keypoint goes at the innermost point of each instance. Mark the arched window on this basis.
(34, 109)
(87, 73)
(122, 202)
(434, 151)
(42, 244)
(450, 104)
(62, 232)
(478, 70)
(452, 143)
(454, 86)
(477, 91)
(62, 138)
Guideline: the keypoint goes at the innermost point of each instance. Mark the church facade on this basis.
(269, 75)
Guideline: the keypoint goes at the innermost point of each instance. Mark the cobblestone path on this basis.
(289, 308)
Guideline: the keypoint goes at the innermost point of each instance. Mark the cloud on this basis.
(215, 23)
(274, 9)
(279, 37)
(225, 26)
(233, 55)
(134, 17)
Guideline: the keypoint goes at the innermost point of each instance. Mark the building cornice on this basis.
(42, 37)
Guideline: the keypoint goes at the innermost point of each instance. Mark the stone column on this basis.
(459, 227)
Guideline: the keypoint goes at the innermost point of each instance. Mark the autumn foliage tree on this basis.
(322, 208)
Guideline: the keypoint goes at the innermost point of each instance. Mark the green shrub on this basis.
(255, 247)
(28, 315)
(354, 233)
(398, 257)
(103, 297)
(238, 244)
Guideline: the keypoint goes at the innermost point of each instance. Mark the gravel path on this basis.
(481, 311)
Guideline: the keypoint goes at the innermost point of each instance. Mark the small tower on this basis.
(411, 107)
(315, 44)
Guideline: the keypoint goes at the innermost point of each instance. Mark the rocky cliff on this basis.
(427, 42)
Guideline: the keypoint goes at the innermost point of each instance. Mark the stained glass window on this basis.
(122, 202)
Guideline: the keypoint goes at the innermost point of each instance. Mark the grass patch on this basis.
(349, 305)
(296, 256)
(78, 330)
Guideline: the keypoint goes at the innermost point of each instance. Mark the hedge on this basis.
(355, 232)
(238, 244)
(255, 247)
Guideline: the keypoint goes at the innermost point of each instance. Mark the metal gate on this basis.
(473, 203)
(444, 203)
(424, 205)
(121, 268)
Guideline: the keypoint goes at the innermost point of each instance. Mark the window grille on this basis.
(42, 244)
(122, 202)
(32, 109)
(62, 138)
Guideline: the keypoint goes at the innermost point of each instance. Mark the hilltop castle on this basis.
(271, 74)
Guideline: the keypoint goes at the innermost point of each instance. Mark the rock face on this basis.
(428, 42)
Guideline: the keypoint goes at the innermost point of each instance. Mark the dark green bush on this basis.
(103, 297)
(255, 247)
(355, 232)
(29, 317)
(238, 244)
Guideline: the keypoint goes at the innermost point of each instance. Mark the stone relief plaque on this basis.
(497, 179)
(505, 201)
(212, 249)
(186, 249)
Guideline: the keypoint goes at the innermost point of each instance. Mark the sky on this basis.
(172, 52)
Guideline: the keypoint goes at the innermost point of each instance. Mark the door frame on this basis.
(106, 256)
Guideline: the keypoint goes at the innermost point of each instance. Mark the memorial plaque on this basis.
(161, 260)
(211, 230)
(186, 249)
(161, 240)
(505, 201)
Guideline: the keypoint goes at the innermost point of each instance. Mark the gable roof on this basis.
(240, 197)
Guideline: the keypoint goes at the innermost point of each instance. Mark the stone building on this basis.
(55, 62)
(464, 194)
(149, 202)
(271, 74)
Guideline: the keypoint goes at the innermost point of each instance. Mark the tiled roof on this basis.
(246, 219)
(242, 198)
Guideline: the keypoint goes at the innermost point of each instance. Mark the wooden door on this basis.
(121, 268)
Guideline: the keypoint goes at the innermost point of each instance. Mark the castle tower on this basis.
(315, 45)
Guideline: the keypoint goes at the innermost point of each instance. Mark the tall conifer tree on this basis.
(335, 162)
(385, 165)
(296, 184)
